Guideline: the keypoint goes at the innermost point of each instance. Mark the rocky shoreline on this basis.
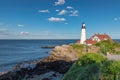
(52, 68)
(58, 67)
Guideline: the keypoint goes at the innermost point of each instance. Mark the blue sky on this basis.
(58, 19)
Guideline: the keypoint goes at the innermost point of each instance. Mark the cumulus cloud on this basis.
(57, 10)
(4, 31)
(59, 2)
(74, 13)
(46, 33)
(20, 25)
(69, 7)
(117, 19)
(44, 11)
(66, 23)
(62, 12)
(53, 19)
(71, 11)
(8, 34)
(24, 33)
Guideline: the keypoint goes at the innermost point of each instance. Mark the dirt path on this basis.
(113, 57)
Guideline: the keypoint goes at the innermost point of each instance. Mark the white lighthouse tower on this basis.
(83, 34)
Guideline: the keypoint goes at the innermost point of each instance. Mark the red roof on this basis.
(90, 41)
(103, 37)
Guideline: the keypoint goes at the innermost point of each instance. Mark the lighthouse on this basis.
(83, 34)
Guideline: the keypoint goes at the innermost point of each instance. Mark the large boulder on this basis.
(93, 49)
(64, 52)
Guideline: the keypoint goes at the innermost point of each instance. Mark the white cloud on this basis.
(53, 19)
(66, 23)
(60, 2)
(44, 11)
(62, 12)
(71, 11)
(46, 33)
(24, 33)
(8, 34)
(4, 31)
(117, 19)
(74, 13)
(20, 25)
(69, 7)
(57, 10)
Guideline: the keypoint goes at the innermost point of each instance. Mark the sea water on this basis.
(13, 52)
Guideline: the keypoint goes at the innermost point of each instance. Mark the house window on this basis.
(105, 38)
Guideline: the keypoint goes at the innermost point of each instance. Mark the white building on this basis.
(97, 38)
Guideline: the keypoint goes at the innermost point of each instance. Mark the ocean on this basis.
(13, 52)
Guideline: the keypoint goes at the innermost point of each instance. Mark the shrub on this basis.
(94, 67)
(91, 58)
(107, 46)
(86, 68)
(111, 70)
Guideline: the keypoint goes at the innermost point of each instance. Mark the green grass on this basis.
(78, 48)
(118, 52)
